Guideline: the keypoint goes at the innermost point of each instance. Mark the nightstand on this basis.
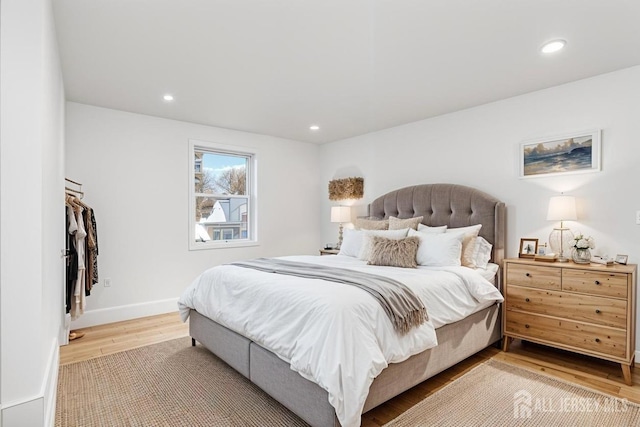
(584, 308)
(329, 251)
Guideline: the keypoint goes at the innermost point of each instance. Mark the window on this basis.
(222, 196)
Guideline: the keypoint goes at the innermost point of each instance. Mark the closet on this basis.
(81, 252)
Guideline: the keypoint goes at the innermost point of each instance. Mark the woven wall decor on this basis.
(347, 188)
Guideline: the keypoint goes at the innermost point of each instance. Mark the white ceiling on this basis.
(351, 66)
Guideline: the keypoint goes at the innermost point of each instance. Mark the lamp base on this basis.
(560, 242)
(339, 237)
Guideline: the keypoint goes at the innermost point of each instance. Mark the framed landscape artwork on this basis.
(565, 154)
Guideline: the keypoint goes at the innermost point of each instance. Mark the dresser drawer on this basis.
(534, 276)
(582, 308)
(595, 282)
(592, 338)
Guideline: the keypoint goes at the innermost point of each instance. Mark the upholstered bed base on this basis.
(456, 342)
(438, 204)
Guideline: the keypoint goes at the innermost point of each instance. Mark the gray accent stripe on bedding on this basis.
(401, 304)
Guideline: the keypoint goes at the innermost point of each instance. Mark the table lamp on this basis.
(340, 214)
(561, 208)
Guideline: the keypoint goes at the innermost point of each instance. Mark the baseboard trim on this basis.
(50, 386)
(27, 412)
(39, 409)
(103, 316)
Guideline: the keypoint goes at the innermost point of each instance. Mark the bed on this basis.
(439, 204)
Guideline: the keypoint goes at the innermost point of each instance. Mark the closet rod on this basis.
(78, 191)
(74, 191)
(73, 182)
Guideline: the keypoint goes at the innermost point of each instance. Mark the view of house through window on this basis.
(222, 195)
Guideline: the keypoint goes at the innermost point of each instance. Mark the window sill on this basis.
(222, 244)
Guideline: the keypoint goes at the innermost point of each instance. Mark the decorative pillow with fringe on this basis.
(394, 253)
(367, 242)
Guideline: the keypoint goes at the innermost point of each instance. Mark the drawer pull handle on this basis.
(597, 311)
(527, 274)
(526, 299)
(597, 339)
(526, 326)
(598, 282)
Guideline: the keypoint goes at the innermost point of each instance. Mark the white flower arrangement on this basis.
(582, 242)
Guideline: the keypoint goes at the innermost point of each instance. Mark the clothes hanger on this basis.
(79, 202)
(74, 202)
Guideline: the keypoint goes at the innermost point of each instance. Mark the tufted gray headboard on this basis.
(447, 204)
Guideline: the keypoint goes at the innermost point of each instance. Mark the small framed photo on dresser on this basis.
(528, 248)
(622, 259)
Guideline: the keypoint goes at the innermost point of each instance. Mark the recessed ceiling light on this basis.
(553, 46)
(168, 97)
(314, 127)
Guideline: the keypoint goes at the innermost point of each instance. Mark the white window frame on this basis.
(252, 168)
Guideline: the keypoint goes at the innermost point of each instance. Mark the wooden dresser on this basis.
(585, 308)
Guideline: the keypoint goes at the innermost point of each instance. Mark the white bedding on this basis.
(490, 272)
(333, 334)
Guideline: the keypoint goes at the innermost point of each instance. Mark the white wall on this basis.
(134, 173)
(479, 147)
(31, 216)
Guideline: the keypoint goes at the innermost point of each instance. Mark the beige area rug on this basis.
(174, 384)
(497, 394)
(165, 384)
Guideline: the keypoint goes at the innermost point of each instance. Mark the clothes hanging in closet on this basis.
(72, 255)
(82, 253)
(92, 249)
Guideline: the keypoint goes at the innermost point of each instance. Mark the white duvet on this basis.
(333, 334)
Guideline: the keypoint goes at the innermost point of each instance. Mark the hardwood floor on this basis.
(114, 337)
(593, 373)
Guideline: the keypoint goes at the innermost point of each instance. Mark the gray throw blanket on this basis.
(404, 308)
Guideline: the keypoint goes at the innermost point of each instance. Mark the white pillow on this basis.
(470, 234)
(365, 250)
(428, 229)
(469, 229)
(482, 253)
(351, 242)
(438, 249)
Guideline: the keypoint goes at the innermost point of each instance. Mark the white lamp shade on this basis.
(562, 208)
(340, 214)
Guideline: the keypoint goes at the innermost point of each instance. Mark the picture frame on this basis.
(528, 247)
(622, 259)
(571, 153)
